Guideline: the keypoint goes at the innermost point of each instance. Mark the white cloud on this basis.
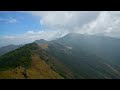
(8, 20)
(9, 37)
(30, 32)
(107, 23)
(66, 20)
(12, 20)
(89, 22)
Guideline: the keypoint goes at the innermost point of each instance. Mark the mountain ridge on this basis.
(73, 56)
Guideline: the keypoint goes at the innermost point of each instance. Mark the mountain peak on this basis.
(41, 41)
(72, 35)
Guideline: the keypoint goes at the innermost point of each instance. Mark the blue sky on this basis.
(22, 22)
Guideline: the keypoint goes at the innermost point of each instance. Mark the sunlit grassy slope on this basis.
(38, 70)
(24, 63)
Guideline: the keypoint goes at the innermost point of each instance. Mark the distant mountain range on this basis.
(6, 49)
(74, 56)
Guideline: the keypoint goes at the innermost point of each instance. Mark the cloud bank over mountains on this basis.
(88, 22)
(59, 23)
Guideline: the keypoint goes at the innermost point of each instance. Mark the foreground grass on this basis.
(38, 70)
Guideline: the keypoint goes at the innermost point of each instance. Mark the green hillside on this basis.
(22, 63)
